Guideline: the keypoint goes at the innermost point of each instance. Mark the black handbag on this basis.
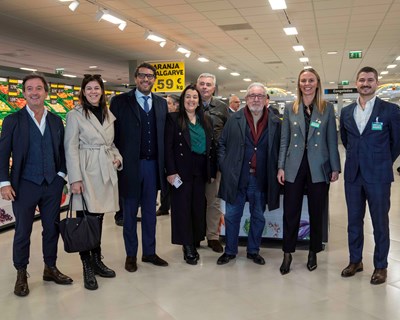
(80, 233)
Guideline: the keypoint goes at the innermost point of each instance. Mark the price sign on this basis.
(170, 76)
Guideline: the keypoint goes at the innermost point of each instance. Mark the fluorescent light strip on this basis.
(303, 59)
(69, 75)
(391, 66)
(221, 68)
(29, 69)
(235, 74)
(384, 72)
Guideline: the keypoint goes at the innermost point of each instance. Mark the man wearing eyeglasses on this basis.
(218, 112)
(248, 160)
(139, 136)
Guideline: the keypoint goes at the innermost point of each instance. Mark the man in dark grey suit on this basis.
(139, 136)
(370, 131)
(218, 112)
(34, 138)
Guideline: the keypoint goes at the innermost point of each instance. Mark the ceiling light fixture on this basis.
(202, 59)
(156, 38)
(73, 5)
(298, 48)
(92, 67)
(235, 74)
(69, 75)
(247, 79)
(391, 66)
(29, 69)
(290, 31)
(303, 59)
(104, 14)
(184, 51)
(384, 72)
(398, 58)
(221, 68)
(277, 4)
(331, 52)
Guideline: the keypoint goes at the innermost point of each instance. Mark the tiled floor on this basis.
(239, 290)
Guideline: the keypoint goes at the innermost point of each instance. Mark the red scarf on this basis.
(261, 125)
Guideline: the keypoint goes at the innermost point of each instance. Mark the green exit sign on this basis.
(344, 82)
(355, 54)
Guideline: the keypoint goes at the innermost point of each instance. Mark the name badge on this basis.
(315, 124)
(377, 126)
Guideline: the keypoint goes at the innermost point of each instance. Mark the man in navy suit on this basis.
(370, 131)
(34, 138)
(139, 136)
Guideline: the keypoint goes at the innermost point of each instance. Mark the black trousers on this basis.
(317, 194)
(85, 255)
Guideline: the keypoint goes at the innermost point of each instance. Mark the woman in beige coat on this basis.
(92, 164)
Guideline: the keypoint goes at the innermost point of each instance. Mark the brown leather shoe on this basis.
(215, 245)
(130, 264)
(352, 269)
(21, 288)
(53, 274)
(156, 260)
(379, 276)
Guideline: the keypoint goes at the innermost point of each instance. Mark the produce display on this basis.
(4, 106)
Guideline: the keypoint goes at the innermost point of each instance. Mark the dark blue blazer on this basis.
(127, 139)
(374, 151)
(15, 141)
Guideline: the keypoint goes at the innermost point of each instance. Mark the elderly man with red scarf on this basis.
(248, 157)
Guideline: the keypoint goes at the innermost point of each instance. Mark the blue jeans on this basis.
(234, 213)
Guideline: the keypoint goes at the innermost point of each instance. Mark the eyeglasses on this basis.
(145, 75)
(254, 96)
(96, 76)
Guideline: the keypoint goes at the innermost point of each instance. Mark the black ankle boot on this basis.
(189, 254)
(100, 268)
(312, 261)
(196, 253)
(285, 266)
(88, 275)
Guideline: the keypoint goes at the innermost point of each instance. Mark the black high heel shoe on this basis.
(312, 261)
(189, 254)
(285, 266)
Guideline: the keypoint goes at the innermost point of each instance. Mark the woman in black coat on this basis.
(190, 158)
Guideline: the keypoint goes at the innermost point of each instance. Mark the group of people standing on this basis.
(123, 155)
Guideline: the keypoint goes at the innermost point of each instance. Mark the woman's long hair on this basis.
(318, 101)
(183, 118)
(82, 98)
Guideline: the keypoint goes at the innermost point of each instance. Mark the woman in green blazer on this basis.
(308, 159)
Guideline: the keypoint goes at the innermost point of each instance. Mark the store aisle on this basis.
(239, 290)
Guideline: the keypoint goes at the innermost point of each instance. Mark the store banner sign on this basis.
(170, 76)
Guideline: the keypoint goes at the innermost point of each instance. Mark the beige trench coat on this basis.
(90, 152)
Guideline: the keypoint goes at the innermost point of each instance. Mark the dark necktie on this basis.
(146, 106)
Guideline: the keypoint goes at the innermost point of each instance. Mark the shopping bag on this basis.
(80, 233)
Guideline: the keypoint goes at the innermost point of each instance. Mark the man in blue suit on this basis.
(34, 138)
(370, 131)
(139, 136)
